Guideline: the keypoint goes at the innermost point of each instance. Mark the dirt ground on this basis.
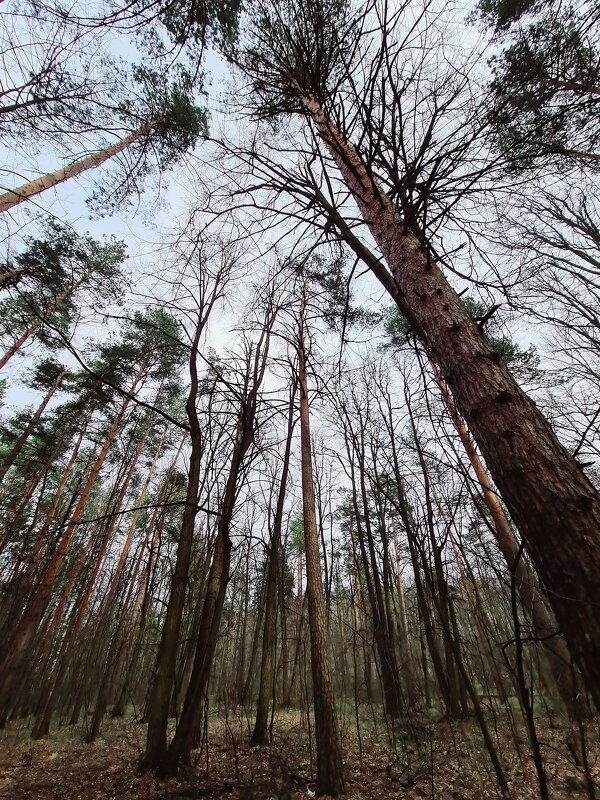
(436, 760)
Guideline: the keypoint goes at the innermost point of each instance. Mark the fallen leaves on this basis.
(446, 760)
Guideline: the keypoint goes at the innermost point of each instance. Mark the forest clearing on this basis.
(300, 399)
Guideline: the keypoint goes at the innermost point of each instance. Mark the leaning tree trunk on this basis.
(556, 651)
(330, 774)
(21, 440)
(554, 505)
(39, 602)
(24, 581)
(14, 197)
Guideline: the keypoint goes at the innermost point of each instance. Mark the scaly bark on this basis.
(554, 505)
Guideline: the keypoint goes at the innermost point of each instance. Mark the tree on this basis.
(211, 285)
(330, 775)
(55, 83)
(557, 510)
(168, 125)
(50, 275)
(247, 398)
(48, 375)
(546, 88)
(265, 692)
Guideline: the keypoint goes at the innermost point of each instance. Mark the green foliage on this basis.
(165, 105)
(544, 92)
(396, 327)
(51, 270)
(60, 257)
(501, 14)
(297, 534)
(57, 83)
(335, 298)
(45, 374)
(167, 102)
(195, 22)
(150, 339)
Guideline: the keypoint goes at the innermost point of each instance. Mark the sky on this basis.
(145, 229)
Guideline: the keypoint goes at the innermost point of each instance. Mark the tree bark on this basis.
(265, 692)
(330, 774)
(14, 197)
(554, 505)
(534, 604)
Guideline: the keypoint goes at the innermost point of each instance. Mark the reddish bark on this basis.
(554, 505)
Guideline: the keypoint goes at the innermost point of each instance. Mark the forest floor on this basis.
(445, 762)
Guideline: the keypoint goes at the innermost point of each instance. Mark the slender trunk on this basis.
(381, 623)
(330, 775)
(187, 732)
(189, 724)
(405, 651)
(14, 517)
(242, 686)
(116, 577)
(50, 623)
(138, 616)
(265, 692)
(39, 602)
(166, 662)
(12, 456)
(438, 585)
(258, 625)
(14, 197)
(117, 654)
(554, 505)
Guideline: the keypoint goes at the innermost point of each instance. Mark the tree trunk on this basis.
(14, 197)
(534, 605)
(24, 581)
(554, 505)
(187, 732)
(164, 674)
(265, 692)
(330, 775)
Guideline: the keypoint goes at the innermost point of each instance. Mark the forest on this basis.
(300, 399)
